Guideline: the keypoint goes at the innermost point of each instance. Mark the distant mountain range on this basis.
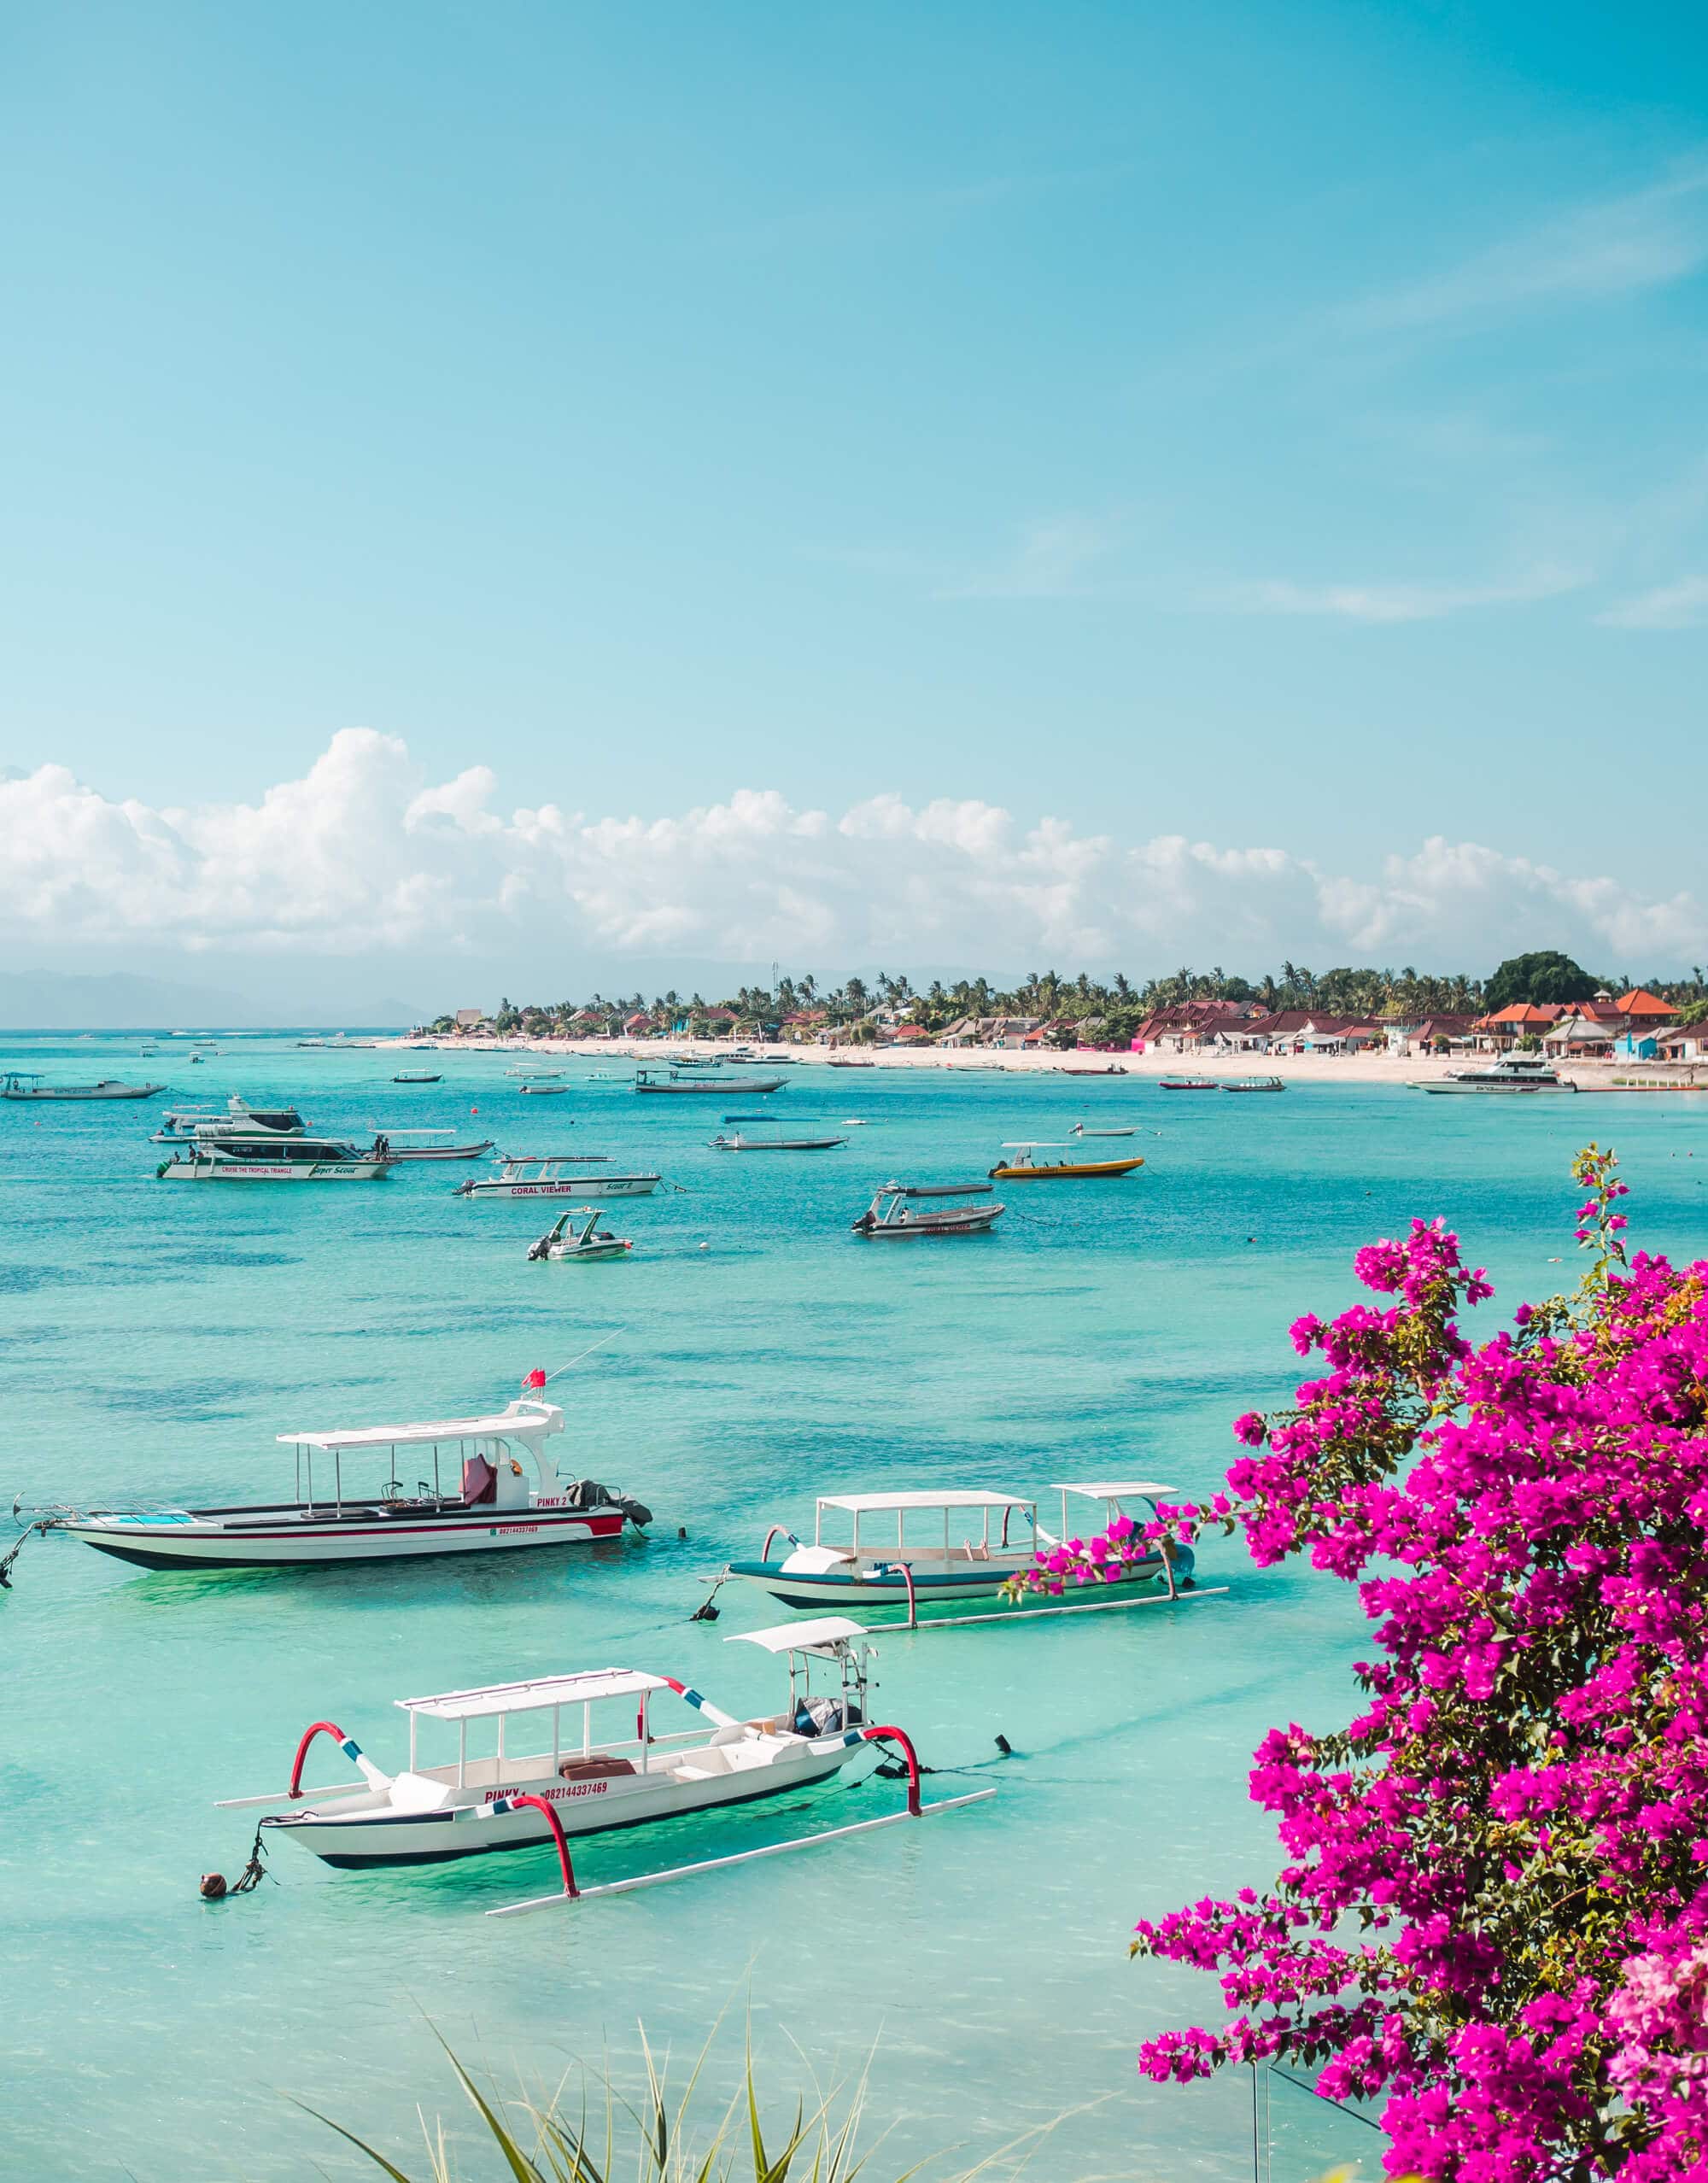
(43, 1000)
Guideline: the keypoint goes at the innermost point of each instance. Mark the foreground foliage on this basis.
(1494, 1913)
(662, 2140)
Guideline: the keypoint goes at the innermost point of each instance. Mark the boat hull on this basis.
(359, 1841)
(272, 1170)
(973, 1223)
(290, 1544)
(723, 1089)
(1516, 1088)
(1071, 1172)
(588, 1187)
(861, 1594)
(86, 1092)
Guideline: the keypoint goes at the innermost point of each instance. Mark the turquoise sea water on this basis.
(154, 1338)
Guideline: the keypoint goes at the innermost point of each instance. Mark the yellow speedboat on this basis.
(1025, 1167)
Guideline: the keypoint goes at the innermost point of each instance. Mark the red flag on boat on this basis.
(535, 1382)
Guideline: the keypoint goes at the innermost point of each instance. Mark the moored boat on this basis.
(238, 1118)
(1025, 1168)
(685, 1084)
(480, 1498)
(897, 1210)
(1522, 1073)
(417, 1076)
(588, 1240)
(943, 1546)
(1254, 1084)
(1188, 1084)
(275, 1158)
(541, 1175)
(24, 1084)
(740, 1144)
(451, 1151)
(591, 1781)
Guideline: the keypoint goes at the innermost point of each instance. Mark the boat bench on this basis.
(601, 1767)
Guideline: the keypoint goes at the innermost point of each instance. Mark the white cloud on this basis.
(1681, 606)
(1051, 561)
(1397, 602)
(363, 856)
(1643, 238)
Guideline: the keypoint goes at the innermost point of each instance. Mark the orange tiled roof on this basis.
(1524, 1012)
(1643, 1002)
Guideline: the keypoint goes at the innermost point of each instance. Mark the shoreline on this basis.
(1090, 1067)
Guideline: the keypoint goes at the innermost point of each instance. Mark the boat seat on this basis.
(703, 1766)
(601, 1766)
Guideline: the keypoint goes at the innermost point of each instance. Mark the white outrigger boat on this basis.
(935, 1566)
(25, 1084)
(586, 1783)
(493, 1489)
(266, 1158)
(588, 1241)
(692, 1083)
(541, 1175)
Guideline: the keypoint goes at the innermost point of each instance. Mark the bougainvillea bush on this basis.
(1493, 1916)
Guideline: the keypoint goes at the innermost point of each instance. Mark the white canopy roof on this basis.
(1112, 1488)
(799, 1636)
(522, 1420)
(862, 1504)
(537, 1695)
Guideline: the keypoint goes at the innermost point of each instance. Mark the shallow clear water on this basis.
(154, 1338)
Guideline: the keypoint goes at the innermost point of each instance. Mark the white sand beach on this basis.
(1367, 1068)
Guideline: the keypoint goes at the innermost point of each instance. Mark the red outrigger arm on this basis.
(346, 1744)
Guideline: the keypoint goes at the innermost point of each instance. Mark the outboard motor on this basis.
(588, 1493)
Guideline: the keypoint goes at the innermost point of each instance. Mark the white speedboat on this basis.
(493, 1489)
(1512, 1072)
(270, 1159)
(536, 1175)
(741, 1144)
(896, 1211)
(581, 1778)
(937, 1545)
(588, 1240)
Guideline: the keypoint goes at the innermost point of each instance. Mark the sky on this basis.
(536, 496)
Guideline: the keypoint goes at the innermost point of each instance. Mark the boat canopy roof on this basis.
(521, 1417)
(827, 1631)
(1037, 1145)
(935, 1190)
(1112, 1488)
(862, 1504)
(536, 1695)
